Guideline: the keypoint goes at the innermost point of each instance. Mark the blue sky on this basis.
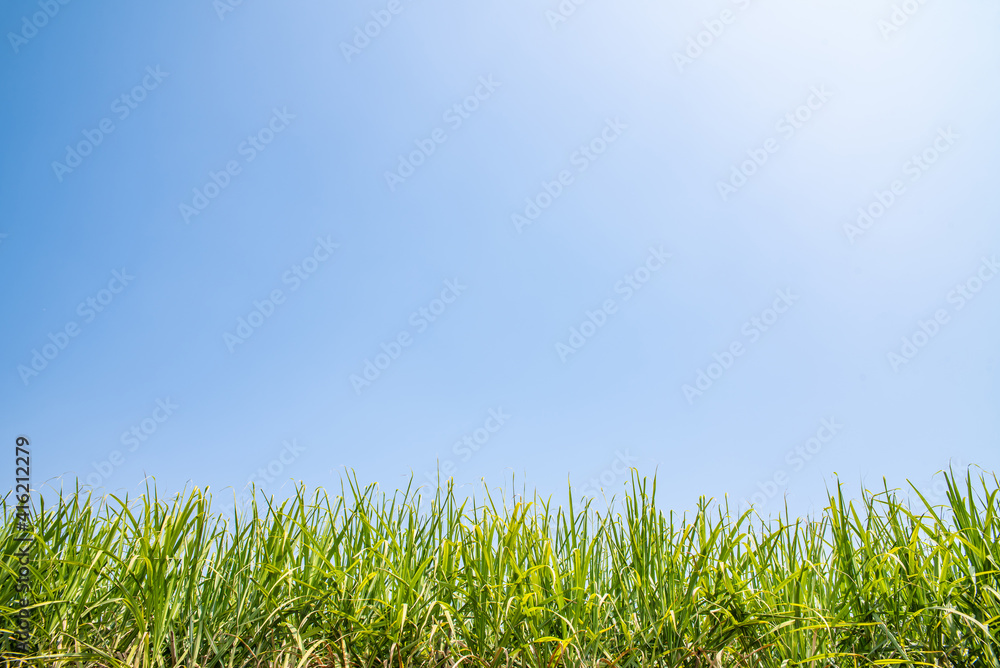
(538, 239)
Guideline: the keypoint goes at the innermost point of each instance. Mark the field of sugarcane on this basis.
(411, 578)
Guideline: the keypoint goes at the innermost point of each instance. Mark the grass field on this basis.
(363, 578)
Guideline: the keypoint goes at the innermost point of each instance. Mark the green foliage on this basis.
(365, 579)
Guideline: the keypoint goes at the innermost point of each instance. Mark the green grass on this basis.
(366, 579)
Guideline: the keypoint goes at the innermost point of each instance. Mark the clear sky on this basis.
(742, 244)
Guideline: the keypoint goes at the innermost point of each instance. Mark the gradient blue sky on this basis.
(681, 128)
